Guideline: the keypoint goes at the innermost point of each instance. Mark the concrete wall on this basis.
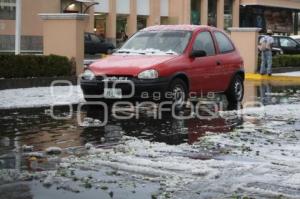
(64, 35)
(246, 41)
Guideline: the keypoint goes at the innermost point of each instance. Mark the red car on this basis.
(168, 61)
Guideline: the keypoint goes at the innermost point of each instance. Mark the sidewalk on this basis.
(290, 77)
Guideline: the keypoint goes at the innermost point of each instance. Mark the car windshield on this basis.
(157, 43)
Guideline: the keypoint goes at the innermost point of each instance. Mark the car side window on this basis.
(205, 42)
(224, 43)
(86, 37)
(276, 42)
(286, 42)
(95, 38)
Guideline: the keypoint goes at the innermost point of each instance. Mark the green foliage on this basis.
(22, 66)
(280, 61)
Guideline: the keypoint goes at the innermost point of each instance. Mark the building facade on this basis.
(110, 18)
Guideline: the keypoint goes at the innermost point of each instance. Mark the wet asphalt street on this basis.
(36, 128)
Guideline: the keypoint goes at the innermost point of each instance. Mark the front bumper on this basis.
(133, 89)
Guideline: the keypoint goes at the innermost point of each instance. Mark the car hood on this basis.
(130, 65)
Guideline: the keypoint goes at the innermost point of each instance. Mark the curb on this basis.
(258, 77)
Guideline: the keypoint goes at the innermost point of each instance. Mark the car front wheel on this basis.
(235, 92)
(179, 91)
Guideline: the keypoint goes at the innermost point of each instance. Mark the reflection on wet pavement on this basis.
(23, 128)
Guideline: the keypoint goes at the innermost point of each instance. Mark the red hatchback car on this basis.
(168, 59)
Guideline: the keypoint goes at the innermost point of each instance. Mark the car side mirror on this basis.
(198, 53)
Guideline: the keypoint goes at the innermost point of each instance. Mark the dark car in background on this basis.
(95, 45)
(287, 44)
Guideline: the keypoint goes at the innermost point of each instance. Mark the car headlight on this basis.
(88, 75)
(148, 74)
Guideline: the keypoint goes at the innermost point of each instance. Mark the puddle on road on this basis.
(35, 127)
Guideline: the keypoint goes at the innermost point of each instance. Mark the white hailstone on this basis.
(27, 148)
(88, 146)
(53, 150)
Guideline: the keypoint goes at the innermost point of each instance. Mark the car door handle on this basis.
(219, 63)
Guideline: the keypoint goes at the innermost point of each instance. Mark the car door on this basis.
(203, 69)
(227, 60)
(289, 46)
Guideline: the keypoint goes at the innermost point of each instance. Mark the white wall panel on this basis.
(103, 6)
(123, 6)
(143, 7)
(164, 8)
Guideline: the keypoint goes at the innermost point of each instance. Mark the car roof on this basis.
(186, 27)
(295, 36)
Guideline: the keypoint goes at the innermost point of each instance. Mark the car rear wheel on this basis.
(179, 91)
(235, 92)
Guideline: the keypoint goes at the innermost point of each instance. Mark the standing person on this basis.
(124, 36)
(266, 43)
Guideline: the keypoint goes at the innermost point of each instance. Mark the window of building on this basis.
(100, 24)
(164, 20)
(141, 22)
(195, 12)
(224, 43)
(212, 13)
(8, 9)
(228, 14)
(121, 29)
(205, 42)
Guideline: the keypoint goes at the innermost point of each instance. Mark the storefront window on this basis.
(212, 13)
(195, 12)
(8, 9)
(278, 20)
(228, 14)
(100, 25)
(141, 22)
(164, 20)
(121, 30)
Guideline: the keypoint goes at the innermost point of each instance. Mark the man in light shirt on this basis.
(266, 43)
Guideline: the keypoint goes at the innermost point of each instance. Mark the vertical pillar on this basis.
(247, 47)
(236, 13)
(18, 27)
(132, 18)
(220, 14)
(90, 20)
(63, 34)
(186, 12)
(111, 23)
(154, 17)
(204, 12)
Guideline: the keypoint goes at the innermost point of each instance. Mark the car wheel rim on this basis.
(178, 95)
(238, 89)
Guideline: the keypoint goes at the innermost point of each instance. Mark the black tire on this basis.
(109, 51)
(235, 92)
(179, 90)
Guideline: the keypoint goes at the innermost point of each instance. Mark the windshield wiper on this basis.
(123, 51)
(128, 52)
(170, 53)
